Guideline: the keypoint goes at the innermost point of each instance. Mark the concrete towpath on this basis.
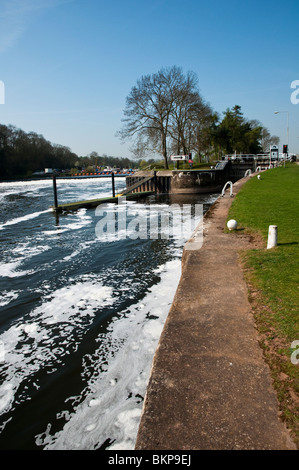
(210, 388)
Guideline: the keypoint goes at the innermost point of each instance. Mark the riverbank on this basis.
(272, 277)
(210, 387)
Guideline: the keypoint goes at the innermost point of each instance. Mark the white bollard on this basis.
(272, 236)
(232, 224)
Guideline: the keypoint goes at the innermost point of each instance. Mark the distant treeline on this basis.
(23, 153)
(96, 160)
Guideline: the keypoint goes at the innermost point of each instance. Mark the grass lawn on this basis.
(272, 277)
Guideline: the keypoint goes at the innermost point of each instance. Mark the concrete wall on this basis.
(191, 182)
(204, 181)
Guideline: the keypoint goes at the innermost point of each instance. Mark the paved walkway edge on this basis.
(209, 386)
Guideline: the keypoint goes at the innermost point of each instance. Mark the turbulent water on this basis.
(80, 314)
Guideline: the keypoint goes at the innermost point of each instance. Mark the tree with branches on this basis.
(160, 111)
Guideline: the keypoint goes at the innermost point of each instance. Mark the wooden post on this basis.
(55, 193)
(155, 181)
(113, 186)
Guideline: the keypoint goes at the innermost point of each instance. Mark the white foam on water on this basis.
(6, 395)
(119, 372)
(27, 250)
(81, 248)
(8, 296)
(68, 190)
(74, 221)
(10, 268)
(144, 221)
(24, 218)
(19, 187)
(82, 189)
(31, 344)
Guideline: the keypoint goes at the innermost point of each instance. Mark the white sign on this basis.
(179, 157)
(274, 152)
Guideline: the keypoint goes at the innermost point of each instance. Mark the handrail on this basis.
(136, 185)
(231, 189)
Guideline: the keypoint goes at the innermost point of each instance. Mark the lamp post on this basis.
(277, 112)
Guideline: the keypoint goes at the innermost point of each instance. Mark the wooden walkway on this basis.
(136, 185)
(71, 206)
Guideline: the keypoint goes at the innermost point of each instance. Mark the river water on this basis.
(81, 313)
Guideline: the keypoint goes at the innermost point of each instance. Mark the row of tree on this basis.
(21, 154)
(95, 160)
(165, 114)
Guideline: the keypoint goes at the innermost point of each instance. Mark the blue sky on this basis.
(68, 65)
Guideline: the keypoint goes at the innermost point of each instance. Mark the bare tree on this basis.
(186, 107)
(159, 112)
(147, 111)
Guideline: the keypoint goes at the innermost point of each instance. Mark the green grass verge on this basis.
(273, 276)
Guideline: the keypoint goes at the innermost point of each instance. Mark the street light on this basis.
(277, 112)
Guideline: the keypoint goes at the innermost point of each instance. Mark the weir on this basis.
(231, 168)
(71, 206)
(143, 183)
(184, 181)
